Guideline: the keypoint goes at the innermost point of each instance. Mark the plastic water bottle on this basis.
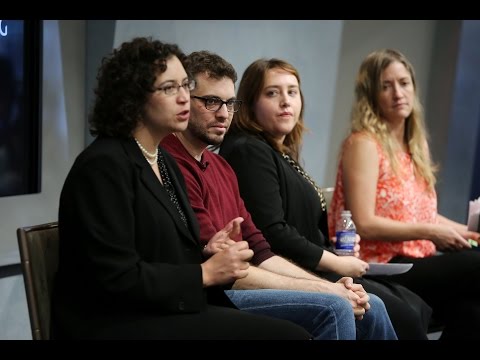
(345, 232)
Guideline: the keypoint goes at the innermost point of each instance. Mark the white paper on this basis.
(473, 215)
(387, 268)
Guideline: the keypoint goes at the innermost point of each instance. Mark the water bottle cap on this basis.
(346, 212)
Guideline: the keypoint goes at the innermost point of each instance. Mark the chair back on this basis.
(328, 193)
(39, 256)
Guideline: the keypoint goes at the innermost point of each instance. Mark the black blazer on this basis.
(123, 246)
(283, 205)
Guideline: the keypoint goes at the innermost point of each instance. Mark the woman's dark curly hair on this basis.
(125, 80)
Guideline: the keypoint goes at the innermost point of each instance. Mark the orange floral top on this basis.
(399, 197)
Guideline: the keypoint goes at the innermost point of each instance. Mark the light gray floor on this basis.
(14, 321)
(434, 335)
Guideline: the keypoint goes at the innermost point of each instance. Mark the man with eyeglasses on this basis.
(273, 286)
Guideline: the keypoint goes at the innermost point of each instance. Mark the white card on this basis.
(473, 215)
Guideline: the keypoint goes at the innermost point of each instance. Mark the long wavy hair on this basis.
(249, 91)
(366, 113)
(125, 81)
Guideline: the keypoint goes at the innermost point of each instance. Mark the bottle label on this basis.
(345, 240)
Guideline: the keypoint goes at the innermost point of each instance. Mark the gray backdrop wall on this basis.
(327, 54)
(313, 47)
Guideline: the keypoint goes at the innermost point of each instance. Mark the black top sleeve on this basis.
(263, 187)
(99, 218)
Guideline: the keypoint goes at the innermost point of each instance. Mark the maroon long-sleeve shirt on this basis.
(215, 197)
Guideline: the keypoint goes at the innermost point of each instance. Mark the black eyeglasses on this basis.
(172, 89)
(213, 103)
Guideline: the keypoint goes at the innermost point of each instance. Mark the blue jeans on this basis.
(324, 316)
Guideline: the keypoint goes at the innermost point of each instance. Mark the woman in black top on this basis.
(263, 148)
(130, 262)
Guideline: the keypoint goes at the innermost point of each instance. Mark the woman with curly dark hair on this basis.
(130, 263)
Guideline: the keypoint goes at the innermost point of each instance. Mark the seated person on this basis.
(387, 180)
(214, 195)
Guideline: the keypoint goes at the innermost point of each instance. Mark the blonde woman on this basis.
(386, 178)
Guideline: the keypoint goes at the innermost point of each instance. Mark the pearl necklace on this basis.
(152, 158)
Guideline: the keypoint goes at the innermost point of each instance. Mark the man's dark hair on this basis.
(125, 79)
(206, 62)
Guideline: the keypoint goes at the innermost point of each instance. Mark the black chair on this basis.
(39, 255)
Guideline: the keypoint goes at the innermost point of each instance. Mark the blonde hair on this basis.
(249, 92)
(366, 113)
